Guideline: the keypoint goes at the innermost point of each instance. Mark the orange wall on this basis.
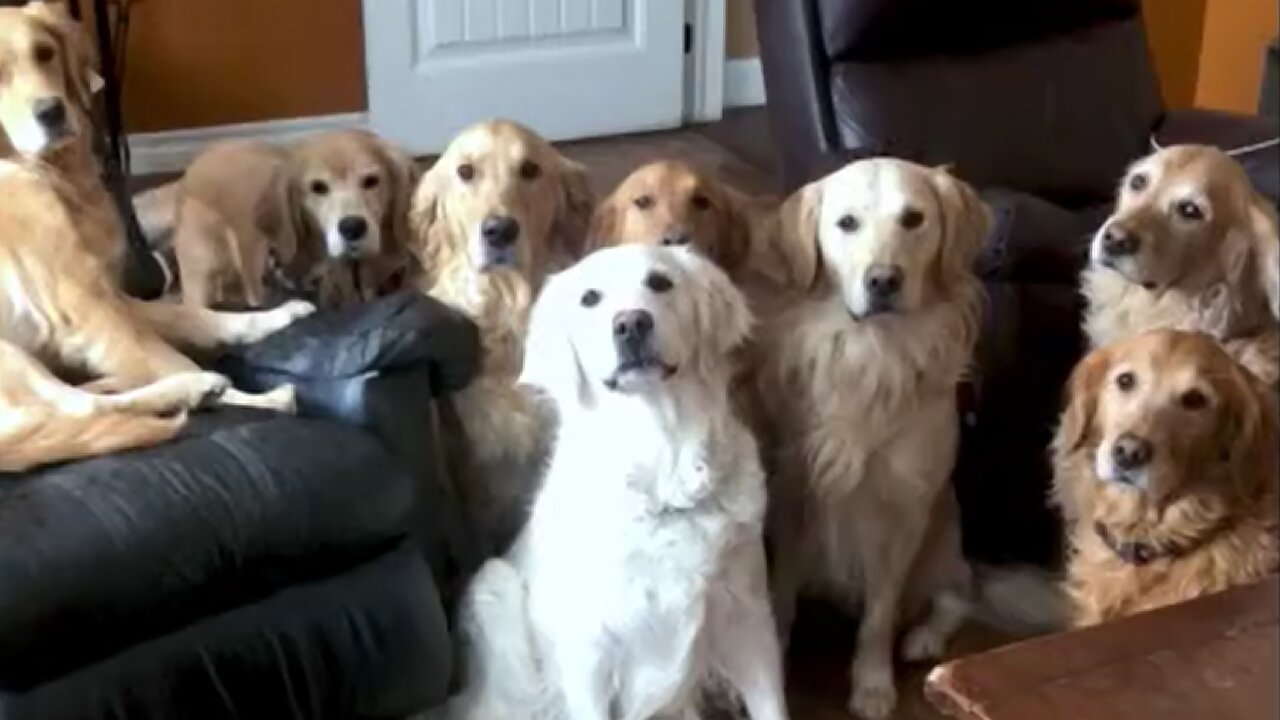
(1236, 33)
(194, 63)
(1175, 29)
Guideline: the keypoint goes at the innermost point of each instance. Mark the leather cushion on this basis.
(398, 332)
(878, 29)
(369, 642)
(97, 554)
(1060, 119)
(1034, 241)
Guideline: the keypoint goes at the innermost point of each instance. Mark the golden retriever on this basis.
(1165, 467)
(858, 385)
(331, 213)
(497, 212)
(1191, 246)
(47, 80)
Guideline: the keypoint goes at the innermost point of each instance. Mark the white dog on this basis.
(640, 578)
(858, 384)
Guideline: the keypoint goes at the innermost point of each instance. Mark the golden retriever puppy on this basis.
(1191, 246)
(47, 80)
(498, 211)
(1165, 467)
(858, 386)
(328, 218)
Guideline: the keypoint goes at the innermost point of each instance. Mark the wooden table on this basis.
(1215, 658)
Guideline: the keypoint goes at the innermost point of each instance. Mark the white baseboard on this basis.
(172, 151)
(743, 83)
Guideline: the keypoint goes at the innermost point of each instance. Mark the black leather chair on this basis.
(1041, 105)
(259, 566)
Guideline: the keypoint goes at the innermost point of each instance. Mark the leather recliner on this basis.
(1041, 105)
(260, 565)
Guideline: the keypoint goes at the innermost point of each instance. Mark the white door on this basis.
(566, 68)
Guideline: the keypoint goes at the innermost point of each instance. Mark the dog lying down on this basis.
(640, 577)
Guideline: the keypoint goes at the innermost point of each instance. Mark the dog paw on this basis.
(874, 696)
(206, 389)
(283, 399)
(296, 309)
(923, 643)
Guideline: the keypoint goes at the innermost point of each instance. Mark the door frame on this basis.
(704, 62)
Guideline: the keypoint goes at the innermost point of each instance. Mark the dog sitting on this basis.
(1191, 246)
(858, 386)
(46, 85)
(640, 577)
(499, 210)
(1165, 468)
(326, 219)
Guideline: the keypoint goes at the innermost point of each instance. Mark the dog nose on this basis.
(353, 228)
(884, 281)
(1118, 242)
(1130, 452)
(500, 231)
(676, 237)
(632, 326)
(50, 112)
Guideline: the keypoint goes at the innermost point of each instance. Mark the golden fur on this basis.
(498, 169)
(61, 251)
(1218, 273)
(674, 203)
(1208, 492)
(241, 201)
(861, 428)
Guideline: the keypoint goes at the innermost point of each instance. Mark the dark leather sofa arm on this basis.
(1230, 132)
(797, 80)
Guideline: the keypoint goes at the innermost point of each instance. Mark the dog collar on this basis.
(1134, 552)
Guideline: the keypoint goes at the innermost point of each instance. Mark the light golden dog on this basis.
(1166, 470)
(61, 250)
(498, 211)
(1191, 246)
(858, 386)
(328, 218)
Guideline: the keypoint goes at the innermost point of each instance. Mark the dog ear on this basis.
(1242, 432)
(1264, 238)
(425, 214)
(795, 240)
(550, 360)
(604, 225)
(967, 222)
(278, 213)
(734, 246)
(577, 204)
(79, 60)
(724, 321)
(1083, 388)
(403, 173)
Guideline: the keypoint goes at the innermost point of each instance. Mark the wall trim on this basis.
(704, 63)
(743, 83)
(172, 150)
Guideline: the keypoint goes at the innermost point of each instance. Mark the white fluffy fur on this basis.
(640, 577)
(861, 410)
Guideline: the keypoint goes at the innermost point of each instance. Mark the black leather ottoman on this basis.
(259, 566)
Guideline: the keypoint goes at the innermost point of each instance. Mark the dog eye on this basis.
(700, 202)
(44, 53)
(1188, 210)
(644, 202)
(466, 172)
(847, 223)
(911, 219)
(530, 170)
(1125, 381)
(319, 187)
(658, 282)
(1194, 400)
(1138, 182)
(370, 182)
(591, 298)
